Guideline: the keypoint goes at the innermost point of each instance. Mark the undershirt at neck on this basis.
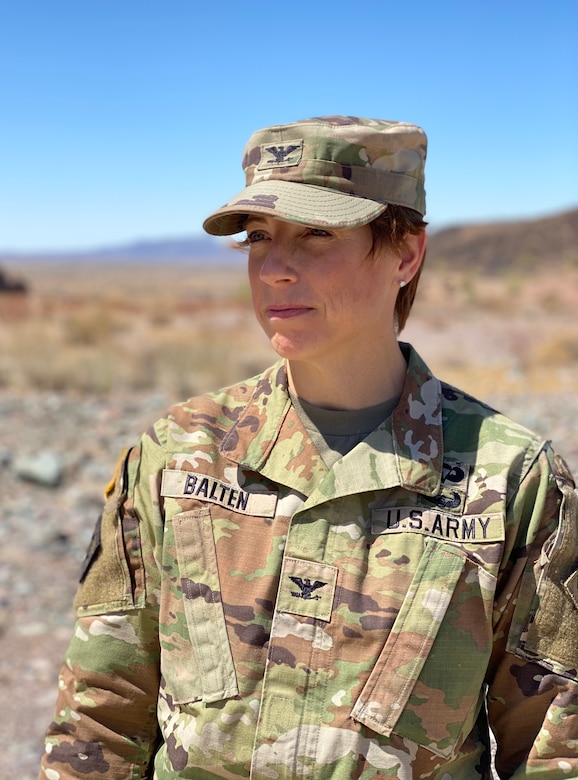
(335, 433)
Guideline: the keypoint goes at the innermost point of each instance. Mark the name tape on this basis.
(467, 528)
(187, 484)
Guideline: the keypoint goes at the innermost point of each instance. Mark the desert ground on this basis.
(92, 354)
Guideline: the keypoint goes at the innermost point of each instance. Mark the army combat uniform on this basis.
(247, 611)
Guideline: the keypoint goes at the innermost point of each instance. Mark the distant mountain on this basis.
(193, 249)
(493, 247)
(201, 248)
(489, 247)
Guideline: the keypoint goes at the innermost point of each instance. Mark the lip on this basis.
(286, 311)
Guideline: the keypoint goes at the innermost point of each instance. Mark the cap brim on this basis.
(293, 202)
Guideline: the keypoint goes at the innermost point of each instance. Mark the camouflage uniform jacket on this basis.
(247, 612)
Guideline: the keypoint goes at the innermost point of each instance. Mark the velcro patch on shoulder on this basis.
(92, 550)
(571, 587)
(188, 484)
(105, 581)
(467, 529)
(552, 634)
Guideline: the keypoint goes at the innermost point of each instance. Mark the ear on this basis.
(412, 255)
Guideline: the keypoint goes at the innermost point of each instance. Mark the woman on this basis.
(342, 567)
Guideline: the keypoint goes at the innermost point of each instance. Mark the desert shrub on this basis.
(90, 326)
(550, 301)
(159, 312)
(469, 287)
(513, 281)
(561, 350)
(243, 295)
(58, 370)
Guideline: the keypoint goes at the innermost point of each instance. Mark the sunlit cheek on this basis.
(347, 297)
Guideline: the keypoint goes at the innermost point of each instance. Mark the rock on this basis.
(46, 468)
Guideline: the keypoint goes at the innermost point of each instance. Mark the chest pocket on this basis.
(427, 683)
(198, 664)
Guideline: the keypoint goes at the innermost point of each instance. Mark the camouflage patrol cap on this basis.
(334, 171)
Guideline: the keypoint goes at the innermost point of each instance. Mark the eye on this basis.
(319, 232)
(253, 236)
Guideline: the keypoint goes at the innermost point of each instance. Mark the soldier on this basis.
(342, 567)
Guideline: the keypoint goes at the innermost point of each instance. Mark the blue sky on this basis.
(123, 120)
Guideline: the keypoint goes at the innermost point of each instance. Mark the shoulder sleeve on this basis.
(533, 691)
(108, 687)
(551, 617)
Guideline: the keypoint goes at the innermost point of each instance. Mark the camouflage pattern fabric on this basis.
(338, 171)
(247, 612)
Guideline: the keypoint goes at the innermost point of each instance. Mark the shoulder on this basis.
(213, 414)
(471, 426)
(497, 439)
(459, 407)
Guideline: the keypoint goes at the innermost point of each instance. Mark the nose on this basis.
(278, 266)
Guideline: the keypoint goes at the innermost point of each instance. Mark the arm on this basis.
(533, 694)
(105, 724)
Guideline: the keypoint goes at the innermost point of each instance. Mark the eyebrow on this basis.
(256, 218)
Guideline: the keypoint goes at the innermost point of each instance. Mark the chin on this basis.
(288, 348)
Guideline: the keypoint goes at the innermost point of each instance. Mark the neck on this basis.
(335, 385)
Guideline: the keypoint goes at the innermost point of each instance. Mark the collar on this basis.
(405, 451)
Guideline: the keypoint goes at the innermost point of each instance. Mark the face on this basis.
(317, 293)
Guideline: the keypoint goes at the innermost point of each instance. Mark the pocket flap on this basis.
(202, 604)
(392, 680)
